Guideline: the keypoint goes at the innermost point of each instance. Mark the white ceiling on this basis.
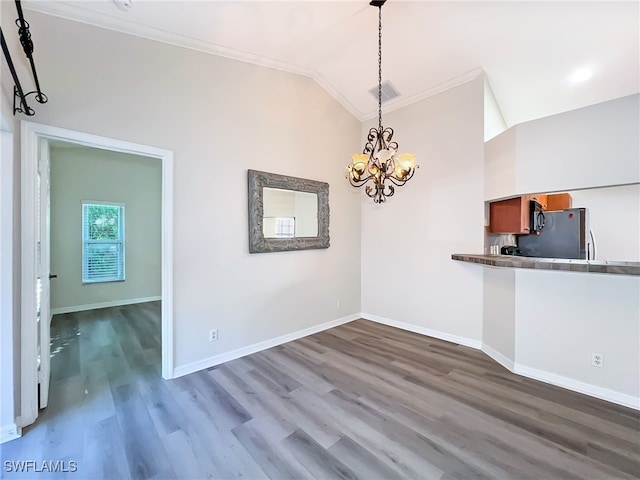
(528, 50)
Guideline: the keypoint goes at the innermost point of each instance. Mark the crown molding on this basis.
(77, 14)
(117, 23)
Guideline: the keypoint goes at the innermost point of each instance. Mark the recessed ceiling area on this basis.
(529, 51)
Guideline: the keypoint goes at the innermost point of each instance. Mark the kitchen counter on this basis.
(588, 266)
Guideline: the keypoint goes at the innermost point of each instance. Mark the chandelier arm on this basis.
(396, 182)
(358, 183)
(387, 134)
(370, 191)
(378, 194)
(381, 140)
(373, 134)
(400, 183)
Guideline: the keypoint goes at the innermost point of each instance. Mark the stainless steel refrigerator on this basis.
(565, 235)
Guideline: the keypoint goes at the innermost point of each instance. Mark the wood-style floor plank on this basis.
(359, 401)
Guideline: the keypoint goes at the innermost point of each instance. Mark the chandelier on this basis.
(378, 161)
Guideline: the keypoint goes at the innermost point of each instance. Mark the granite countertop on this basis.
(589, 266)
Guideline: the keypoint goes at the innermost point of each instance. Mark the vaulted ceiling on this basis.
(528, 50)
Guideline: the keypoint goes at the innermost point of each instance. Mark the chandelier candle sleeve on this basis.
(378, 161)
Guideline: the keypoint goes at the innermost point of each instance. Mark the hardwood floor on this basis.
(357, 401)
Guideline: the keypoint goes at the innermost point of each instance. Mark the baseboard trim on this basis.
(95, 306)
(540, 375)
(447, 337)
(258, 347)
(10, 432)
(503, 360)
(580, 387)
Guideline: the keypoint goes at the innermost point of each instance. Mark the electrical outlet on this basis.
(337, 304)
(597, 360)
(213, 335)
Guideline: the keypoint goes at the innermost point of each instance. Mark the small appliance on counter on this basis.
(565, 235)
(510, 250)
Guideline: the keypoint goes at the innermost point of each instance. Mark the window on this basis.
(102, 242)
(285, 227)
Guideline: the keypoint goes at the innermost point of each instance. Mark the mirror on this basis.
(287, 213)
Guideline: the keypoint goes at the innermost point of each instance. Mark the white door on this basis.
(43, 277)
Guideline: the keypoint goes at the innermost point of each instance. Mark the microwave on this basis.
(536, 217)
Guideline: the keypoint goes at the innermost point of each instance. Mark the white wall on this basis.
(546, 324)
(82, 173)
(563, 317)
(407, 272)
(220, 117)
(589, 147)
(614, 214)
(500, 166)
(494, 123)
(499, 314)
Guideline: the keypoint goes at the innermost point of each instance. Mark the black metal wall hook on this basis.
(19, 97)
(17, 89)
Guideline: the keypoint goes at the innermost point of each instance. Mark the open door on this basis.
(35, 275)
(43, 275)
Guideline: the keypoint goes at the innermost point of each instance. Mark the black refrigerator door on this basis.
(563, 236)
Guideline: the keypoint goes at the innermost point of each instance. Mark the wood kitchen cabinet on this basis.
(509, 216)
(558, 201)
(513, 214)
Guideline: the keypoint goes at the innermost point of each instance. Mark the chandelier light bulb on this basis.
(407, 160)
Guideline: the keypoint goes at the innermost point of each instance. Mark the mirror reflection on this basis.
(289, 213)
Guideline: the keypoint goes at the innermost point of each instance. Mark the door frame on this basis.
(31, 133)
(9, 426)
(43, 234)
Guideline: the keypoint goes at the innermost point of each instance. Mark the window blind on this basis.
(102, 242)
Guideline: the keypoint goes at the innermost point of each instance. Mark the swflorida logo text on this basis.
(23, 466)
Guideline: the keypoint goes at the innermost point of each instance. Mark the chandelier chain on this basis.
(380, 67)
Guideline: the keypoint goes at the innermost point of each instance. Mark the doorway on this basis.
(35, 253)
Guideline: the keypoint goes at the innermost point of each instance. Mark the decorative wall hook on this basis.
(20, 104)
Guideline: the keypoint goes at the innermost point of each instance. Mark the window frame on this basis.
(87, 241)
(280, 223)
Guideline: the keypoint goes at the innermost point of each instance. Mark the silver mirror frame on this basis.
(257, 242)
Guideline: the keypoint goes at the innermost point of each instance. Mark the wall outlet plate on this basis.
(597, 360)
(213, 335)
